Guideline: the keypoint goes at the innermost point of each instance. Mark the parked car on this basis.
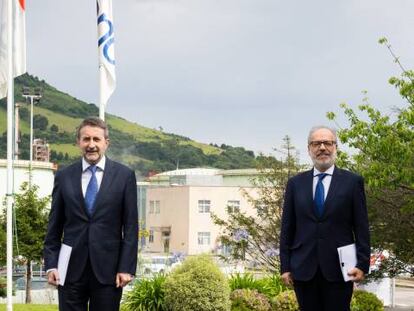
(158, 264)
(229, 268)
(37, 283)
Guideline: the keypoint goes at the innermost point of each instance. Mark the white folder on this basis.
(347, 259)
(63, 262)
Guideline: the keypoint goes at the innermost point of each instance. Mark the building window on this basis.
(157, 207)
(204, 206)
(204, 238)
(151, 236)
(233, 206)
(154, 207)
(226, 250)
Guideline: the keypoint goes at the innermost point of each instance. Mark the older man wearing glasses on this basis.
(324, 208)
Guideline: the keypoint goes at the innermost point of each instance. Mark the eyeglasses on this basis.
(318, 143)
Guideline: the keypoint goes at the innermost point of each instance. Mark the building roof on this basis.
(240, 172)
(191, 171)
(26, 164)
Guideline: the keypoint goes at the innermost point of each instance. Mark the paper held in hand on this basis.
(347, 259)
(63, 262)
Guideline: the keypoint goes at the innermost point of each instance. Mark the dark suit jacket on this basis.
(109, 237)
(307, 241)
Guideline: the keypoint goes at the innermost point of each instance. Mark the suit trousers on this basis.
(88, 291)
(318, 294)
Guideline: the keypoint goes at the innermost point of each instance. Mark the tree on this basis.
(256, 238)
(31, 223)
(24, 114)
(384, 156)
(40, 122)
(54, 128)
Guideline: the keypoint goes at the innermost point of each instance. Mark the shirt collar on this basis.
(329, 171)
(100, 164)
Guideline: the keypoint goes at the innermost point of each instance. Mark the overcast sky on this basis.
(239, 72)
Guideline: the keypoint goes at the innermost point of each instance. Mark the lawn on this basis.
(24, 127)
(71, 149)
(30, 307)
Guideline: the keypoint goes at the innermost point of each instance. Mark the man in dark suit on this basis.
(324, 208)
(94, 211)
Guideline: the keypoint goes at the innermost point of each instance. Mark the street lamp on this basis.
(34, 96)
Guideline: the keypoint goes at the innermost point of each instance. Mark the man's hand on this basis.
(53, 277)
(356, 274)
(287, 278)
(122, 279)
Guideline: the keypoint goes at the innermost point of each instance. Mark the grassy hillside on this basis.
(58, 114)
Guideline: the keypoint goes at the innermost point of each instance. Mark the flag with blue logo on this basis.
(106, 51)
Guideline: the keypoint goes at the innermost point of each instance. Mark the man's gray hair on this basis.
(318, 127)
(95, 122)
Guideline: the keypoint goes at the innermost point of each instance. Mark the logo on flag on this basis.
(107, 39)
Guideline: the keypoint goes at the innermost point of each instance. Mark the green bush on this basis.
(197, 284)
(270, 286)
(243, 281)
(3, 287)
(365, 301)
(146, 295)
(285, 301)
(249, 299)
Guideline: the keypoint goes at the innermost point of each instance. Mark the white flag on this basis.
(19, 41)
(106, 51)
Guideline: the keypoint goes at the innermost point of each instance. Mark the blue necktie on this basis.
(91, 191)
(320, 194)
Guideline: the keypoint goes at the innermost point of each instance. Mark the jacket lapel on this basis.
(308, 182)
(76, 177)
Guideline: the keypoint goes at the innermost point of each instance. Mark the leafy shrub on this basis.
(270, 286)
(197, 284)
(3, 287)
(249, 299)
(243, 281)
(365, 301)
(146, 295)
(285, 301)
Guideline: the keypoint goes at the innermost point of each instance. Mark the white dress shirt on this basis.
(87, 174)
(326, 181)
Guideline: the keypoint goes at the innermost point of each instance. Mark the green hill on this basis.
(58, 114)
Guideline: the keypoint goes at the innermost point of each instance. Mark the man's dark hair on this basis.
(93, 121)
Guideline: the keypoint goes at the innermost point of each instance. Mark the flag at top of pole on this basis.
(18, 45)
(107, 80)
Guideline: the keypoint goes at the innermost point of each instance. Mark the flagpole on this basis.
(9, 193)
(101, 81)
(101, 89)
